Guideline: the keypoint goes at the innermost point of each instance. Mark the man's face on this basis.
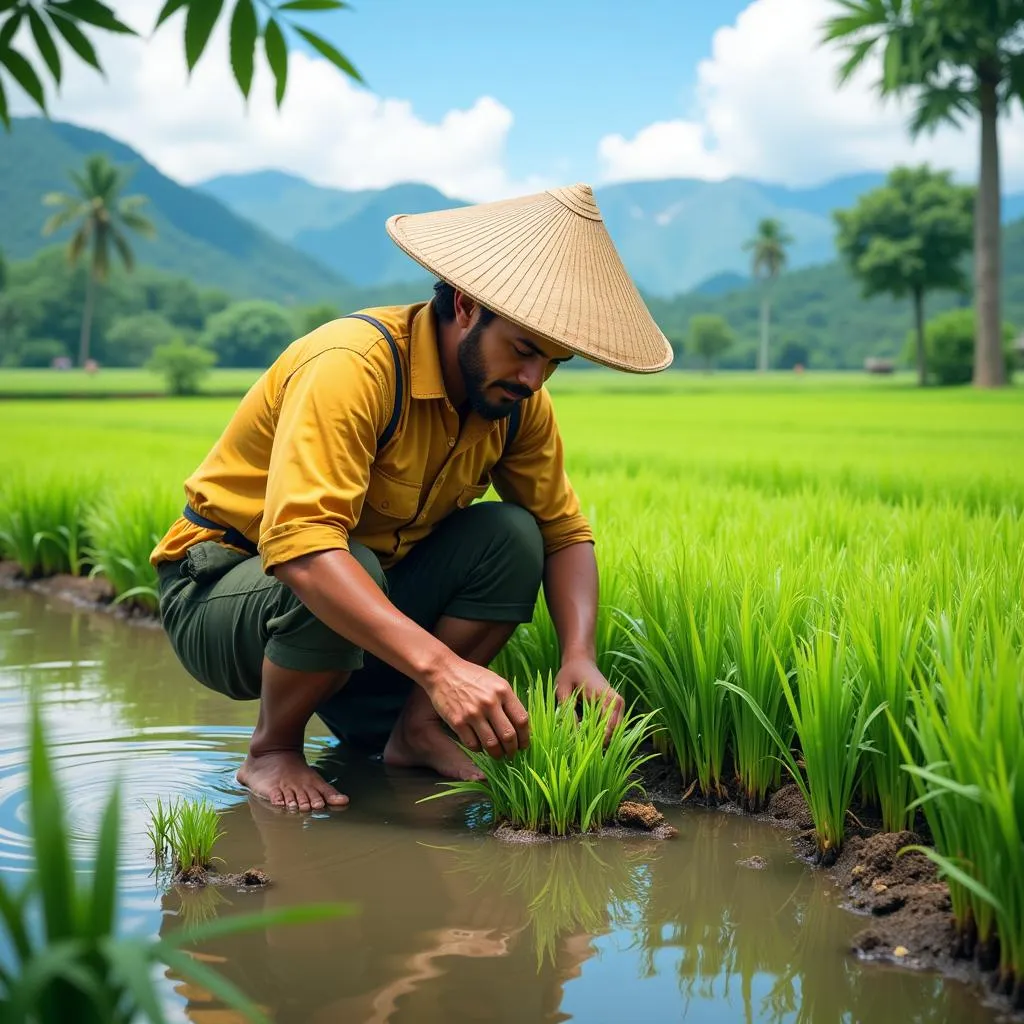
(502, 364)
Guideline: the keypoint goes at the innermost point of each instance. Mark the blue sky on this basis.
(487, 100)
(570, 71)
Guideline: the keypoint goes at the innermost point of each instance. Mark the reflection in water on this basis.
(451, 925)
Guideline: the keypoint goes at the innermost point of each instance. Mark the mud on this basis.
(632, 819)
(197, 877)
(94, 594)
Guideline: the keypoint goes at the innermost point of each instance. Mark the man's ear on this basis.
(465, 308)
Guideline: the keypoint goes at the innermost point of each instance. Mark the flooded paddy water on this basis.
(450, 924)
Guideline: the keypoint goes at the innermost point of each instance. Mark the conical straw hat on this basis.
(547, 263)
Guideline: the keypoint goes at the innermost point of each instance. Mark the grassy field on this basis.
(823, 572)
(27, 383)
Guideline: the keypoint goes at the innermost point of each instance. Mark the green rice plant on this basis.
(886, 616)
(193, 834)
(831, 722)
(677, 645)
(42, 524)
(969, 726)
(124, 528)
(67, 962)
(568, 779)
(761, 619)
(161, 827)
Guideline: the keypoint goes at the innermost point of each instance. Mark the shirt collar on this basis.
(426, 379)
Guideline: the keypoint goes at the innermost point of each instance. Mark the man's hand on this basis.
(582, 674)
(481, 707)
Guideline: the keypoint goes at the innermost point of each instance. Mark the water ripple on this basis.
(166, 762)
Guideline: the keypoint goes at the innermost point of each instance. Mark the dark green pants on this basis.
(482, 563)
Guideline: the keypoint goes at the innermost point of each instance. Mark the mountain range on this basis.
(278, 236)
(674, 236)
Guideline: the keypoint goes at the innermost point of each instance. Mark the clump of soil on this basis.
(911, 911)
(788, 809)
(199, 876)
(645, 816)
(631, 819)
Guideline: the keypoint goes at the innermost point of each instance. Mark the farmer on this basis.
(329, 559)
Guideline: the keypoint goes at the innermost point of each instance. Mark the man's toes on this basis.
(290, 799)
(332, 796)
(277, 796)
(316, 801)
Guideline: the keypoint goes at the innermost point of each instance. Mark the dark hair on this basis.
(444, 305)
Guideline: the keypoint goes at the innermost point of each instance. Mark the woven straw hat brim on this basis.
(547, 263)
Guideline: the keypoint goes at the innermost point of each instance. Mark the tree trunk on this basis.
(922, 369)
(762, 356)
(989, 369)
(83, 340)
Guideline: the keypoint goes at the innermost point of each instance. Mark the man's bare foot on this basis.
(284, 778)
(421, 742)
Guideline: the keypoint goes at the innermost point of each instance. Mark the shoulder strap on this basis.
(514, 419)
(396, 412)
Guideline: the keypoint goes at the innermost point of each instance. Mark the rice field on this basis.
(804, 580)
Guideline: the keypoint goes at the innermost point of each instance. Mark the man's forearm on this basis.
(571, 592)
(343, 596)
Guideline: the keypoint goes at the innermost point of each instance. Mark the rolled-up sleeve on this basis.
(532, 474)
(329, 414)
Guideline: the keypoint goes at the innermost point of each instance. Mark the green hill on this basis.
(820, 319)
(672, 234)
(198, 236)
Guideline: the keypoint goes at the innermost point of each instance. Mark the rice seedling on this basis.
(66, 960)
(762, 619)
(161, 827)
(886, 617)
(124, 528)
(568, 779)
(192, 835)
(677, 642)
(831, 722)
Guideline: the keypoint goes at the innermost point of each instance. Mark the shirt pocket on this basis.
(390, 500)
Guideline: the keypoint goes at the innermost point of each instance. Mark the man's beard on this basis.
(474, 377)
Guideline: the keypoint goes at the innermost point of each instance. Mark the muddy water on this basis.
(449, 925)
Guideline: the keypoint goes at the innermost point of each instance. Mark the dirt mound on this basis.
(788, 808)
(645, 816)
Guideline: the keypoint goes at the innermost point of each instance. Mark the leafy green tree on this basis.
(309, 318)
(60, 27)
(131, 340)
(949, 342)
(909, 238)
(710, 336)
(956, 59)
(249, 334)
(768, 248)
(183, 366)
(101, 218)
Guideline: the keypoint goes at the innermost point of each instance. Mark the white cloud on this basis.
(328, 130)
(768, 106)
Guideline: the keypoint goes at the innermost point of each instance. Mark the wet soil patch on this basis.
(632, 819)
(91, 594)
(908, 912)
(196, 877)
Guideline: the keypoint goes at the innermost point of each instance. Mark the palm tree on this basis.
(955, 58)
(101, 216)
(769, 257)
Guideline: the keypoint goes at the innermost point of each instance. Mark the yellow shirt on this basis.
(297, 468)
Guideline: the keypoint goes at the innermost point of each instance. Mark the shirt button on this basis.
(384, 504)
(451, 442)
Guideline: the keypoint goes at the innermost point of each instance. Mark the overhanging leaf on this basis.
(277, 56)
(338, 59)
(44, 41)
(198, 26)
(244, 32)
(76, 39)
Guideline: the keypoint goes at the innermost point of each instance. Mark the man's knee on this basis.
(517, 532)
(297, 639)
